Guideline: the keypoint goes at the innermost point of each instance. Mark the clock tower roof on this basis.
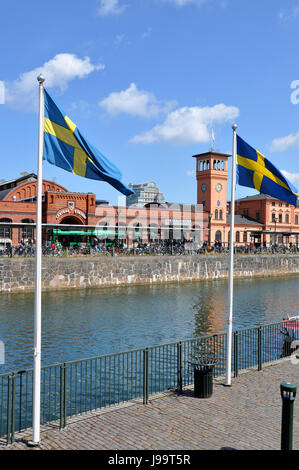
(218, 154)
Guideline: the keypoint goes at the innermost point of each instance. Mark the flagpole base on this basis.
(32, 444)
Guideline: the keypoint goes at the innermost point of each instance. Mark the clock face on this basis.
(203, 187)
(218, 187)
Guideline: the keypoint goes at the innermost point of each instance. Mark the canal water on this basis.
(78, 324)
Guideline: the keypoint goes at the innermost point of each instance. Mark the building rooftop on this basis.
(15, 182)
(244, 220)
(259, 196)
(4, 193)
(212, 152)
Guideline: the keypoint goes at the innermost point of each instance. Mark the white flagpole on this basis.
(38, 273)
(231, 264)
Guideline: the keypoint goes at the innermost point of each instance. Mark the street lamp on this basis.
(210, 237)
(275, 222)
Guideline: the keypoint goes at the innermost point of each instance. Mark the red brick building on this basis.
(61, 207)
(260, 219)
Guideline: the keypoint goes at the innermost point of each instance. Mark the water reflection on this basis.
(80, 324)
(210, 309)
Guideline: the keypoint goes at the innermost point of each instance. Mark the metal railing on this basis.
(76, 387)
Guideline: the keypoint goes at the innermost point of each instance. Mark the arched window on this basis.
(245, 237)
(27, 221)
(137, 234)
(280, 218)
(296, 219)
(218, 236)
(5, 231)
(216, 214)
(287, 218)
(237, 237)
(221, 214)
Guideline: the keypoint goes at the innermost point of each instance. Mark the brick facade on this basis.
(259, 219)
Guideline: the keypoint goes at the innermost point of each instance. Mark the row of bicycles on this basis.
(164, 248)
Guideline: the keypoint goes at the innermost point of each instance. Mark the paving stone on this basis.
(245, 416)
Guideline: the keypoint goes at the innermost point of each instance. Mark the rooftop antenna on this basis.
(212, 137)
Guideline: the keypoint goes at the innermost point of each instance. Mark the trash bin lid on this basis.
(288, 387)
(201, 361)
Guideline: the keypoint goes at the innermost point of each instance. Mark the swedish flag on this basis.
(66, 147)
(255, 171)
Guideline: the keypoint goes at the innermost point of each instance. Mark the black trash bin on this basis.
(203, 377)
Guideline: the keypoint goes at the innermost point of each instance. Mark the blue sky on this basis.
(146, 81)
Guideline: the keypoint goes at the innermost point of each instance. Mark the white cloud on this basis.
(183, 3)
(292, 177)
(198, 3)
(285, 15)
(190, 172)
(188, 124)
(58, 72)
(110, 7)
(135, 102)
(283, 143)
(2, 92)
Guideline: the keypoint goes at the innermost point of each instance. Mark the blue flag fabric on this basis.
(255, 171)
(66, 147)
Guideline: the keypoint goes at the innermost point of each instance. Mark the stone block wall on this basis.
(17, 274)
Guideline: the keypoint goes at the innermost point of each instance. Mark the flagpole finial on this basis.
(234, 126)
(41, 79)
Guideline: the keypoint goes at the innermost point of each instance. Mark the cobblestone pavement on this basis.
(245, 416)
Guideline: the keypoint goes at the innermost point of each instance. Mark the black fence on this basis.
(76, 387)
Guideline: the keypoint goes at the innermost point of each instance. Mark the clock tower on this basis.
(211, 175)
